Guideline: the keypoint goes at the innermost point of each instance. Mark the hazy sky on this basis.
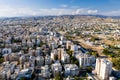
(12, 8)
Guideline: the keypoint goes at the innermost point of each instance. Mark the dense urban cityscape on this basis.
(60, 48)
(59, 39)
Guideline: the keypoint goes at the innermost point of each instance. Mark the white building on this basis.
(6, 51)
(65, 58)
(71, 70)
(29, 43)
(32, 61)
(38, 42)
(85, 60)
(112, 78)
(103, 68)
(56, 67)
(45, 71)
(53, 45)
(5, 74)
(7, 70)
(25, 73)
(38, 51)
(22, 59)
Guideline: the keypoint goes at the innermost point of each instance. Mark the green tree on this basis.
(1, 60)
(116, 63)
(89, 69)
(76, 78)
(70, 52)
(76, 62)
(106, 51)
(58, 76)
(23, 78)
(95, 54)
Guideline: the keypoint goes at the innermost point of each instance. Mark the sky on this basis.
(15, 8)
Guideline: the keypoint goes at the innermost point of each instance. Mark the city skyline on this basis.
(16, 8)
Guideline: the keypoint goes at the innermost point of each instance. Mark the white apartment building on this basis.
(38, 51)
(103, 68)
(25, 73)
(84, 59)
(56, 67)
(38, 42)
(45, 71)
(71, 69)
(6, 51)
(65, 58)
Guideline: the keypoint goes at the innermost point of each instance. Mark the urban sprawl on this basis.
(60, 48)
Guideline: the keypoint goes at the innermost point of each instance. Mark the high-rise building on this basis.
(103, 68)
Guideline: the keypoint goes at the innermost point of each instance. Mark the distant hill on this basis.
(62, 16)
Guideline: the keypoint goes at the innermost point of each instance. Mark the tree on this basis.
(33, 76)
(94, 38)
(106, 51)
(76, 78)
(58, 76)
(89, 69)
(56, 57)
(1, 60)
(76, 62)
(95, 54)
(70, 52)
(116, 63)
(23, 78)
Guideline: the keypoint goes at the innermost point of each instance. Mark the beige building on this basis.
(68, 43)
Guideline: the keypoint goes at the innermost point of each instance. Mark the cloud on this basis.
(92, 11)
(8, 11)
